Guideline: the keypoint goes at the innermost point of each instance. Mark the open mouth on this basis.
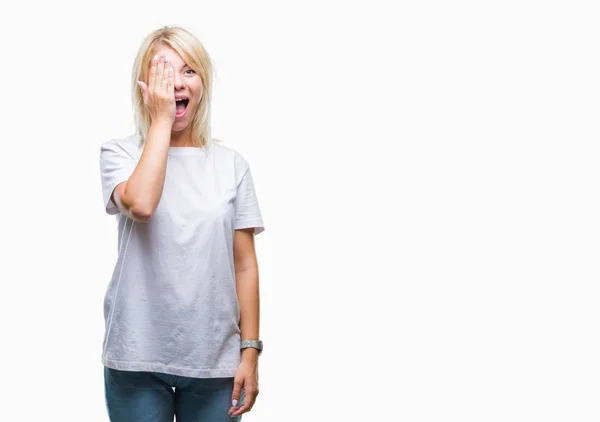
(181, 106)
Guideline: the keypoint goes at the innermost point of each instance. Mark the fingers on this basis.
(246, 407)
(152, 79)
(160, 67)
(171, 83)
(249, 400)
(165, 75)
(235, 396)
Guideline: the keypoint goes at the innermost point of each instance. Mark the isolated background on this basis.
(428, 176)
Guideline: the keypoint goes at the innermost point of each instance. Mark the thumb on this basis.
(237, 388)
(143, 87)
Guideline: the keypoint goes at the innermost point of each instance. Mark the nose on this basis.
(178, 82)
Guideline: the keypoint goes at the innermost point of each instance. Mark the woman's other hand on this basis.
(246, 377)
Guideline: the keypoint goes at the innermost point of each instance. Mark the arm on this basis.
(246, 274)
(139, 196)
(248, 223)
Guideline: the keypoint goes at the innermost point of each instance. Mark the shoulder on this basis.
(229, 154)
(128, 146)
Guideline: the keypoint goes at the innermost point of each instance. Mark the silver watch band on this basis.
(256, 344)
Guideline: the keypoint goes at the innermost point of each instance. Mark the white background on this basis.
(428, 176)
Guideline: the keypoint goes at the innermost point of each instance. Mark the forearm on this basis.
(144, 187)
(248, 297)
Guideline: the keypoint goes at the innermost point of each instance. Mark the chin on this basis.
(179, 126)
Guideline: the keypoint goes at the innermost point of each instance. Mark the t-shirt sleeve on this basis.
(247, 210)
(116, 166)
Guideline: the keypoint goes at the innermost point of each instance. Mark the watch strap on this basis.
(255, 344)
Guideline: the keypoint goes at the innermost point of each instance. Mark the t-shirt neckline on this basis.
(186, 151)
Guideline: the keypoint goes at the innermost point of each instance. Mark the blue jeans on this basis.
(157, 397)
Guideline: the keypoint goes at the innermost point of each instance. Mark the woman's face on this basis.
(188, 84)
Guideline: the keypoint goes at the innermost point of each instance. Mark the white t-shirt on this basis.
(171, 304)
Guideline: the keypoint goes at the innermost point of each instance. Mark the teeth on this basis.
(180, 99)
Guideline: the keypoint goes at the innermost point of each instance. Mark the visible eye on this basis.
(190, 70)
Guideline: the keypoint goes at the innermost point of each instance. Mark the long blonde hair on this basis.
(193, 53)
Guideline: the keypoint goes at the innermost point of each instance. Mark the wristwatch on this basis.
(256, 344)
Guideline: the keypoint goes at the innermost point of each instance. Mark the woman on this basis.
(182, 307)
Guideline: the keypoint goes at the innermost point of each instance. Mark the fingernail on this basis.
(166, 60)
(234, 402)
(156, 57)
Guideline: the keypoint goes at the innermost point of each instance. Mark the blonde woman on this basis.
(182, 307)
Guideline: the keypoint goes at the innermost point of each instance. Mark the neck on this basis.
(181, 139)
